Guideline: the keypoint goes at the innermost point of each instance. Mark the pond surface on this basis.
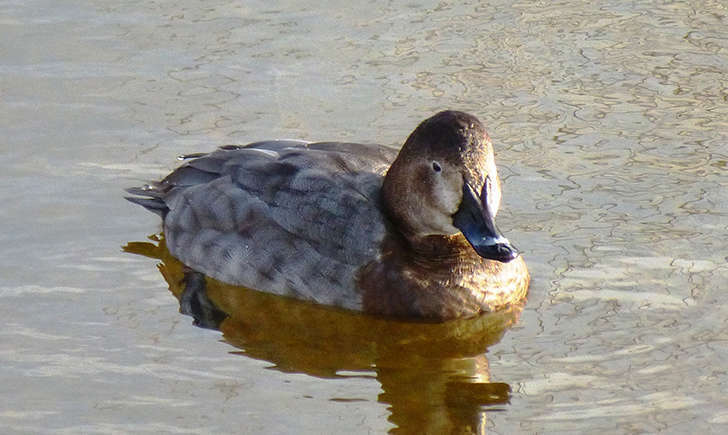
(611, 129)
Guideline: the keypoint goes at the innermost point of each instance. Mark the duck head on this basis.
(444, 182)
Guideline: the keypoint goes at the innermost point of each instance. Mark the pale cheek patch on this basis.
(447, 199)
(442, 224)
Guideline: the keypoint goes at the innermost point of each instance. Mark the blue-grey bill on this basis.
(477, 223)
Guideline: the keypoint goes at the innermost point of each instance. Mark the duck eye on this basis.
(436, 167)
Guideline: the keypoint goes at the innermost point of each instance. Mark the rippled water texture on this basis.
(611, 126)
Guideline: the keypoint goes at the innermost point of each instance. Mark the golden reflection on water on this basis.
(434, 376)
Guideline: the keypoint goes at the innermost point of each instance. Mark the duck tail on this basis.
(150, 198)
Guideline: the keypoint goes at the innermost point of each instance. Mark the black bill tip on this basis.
(501, 251)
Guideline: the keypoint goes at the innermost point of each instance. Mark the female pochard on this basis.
(409, 234)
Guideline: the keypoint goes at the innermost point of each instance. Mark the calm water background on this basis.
(611, 128)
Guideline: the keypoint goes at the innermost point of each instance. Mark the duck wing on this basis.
(288, 217)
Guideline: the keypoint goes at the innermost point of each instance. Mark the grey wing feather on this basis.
(288, 217)
(152, 204)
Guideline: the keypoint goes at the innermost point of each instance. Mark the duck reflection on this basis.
(434, 376)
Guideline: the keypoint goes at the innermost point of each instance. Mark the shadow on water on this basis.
(434, 376)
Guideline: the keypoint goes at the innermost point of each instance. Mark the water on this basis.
(610, 126)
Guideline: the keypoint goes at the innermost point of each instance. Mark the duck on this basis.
(406, 233)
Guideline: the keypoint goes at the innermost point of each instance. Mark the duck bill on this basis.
(476, 220)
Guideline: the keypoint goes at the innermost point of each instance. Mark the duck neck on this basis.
(439, 248)
(395, 199)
